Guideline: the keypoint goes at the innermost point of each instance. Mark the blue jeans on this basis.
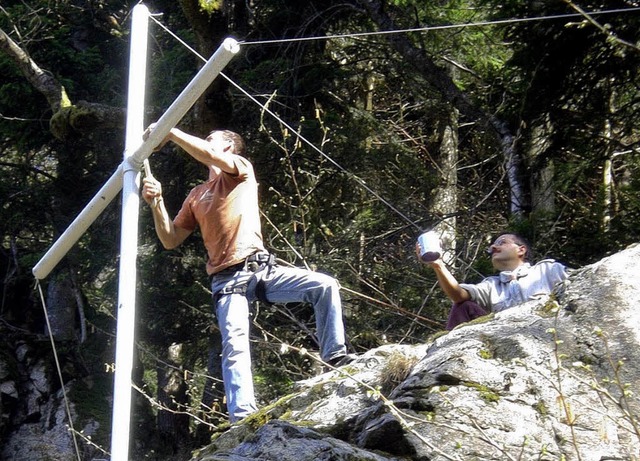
(282, 285)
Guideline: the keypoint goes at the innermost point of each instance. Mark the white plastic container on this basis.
(429, 244)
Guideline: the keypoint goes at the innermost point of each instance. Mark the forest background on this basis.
(368, 122)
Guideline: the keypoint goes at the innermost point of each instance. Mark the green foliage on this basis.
(272, 384)
(353, 202)
(210, 6)
(170, 70)
(487, 394)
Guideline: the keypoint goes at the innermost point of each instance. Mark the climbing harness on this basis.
(260, 265)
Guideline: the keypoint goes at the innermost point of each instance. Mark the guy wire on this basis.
(55, 356)
(440, 27)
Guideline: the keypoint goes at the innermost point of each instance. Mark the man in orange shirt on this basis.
(225, 208)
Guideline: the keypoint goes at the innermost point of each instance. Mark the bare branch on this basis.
(41, 80)
(606, 30)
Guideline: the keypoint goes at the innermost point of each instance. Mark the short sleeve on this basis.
(481, 292)
(185, 218)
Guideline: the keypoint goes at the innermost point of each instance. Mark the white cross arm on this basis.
(110, 189)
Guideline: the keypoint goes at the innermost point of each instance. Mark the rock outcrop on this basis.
(548, 380)
(555, 379)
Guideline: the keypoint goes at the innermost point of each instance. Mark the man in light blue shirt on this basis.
(517, 282)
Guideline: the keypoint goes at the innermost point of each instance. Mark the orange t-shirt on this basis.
(226, 210)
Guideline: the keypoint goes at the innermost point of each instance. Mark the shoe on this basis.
(342, 360)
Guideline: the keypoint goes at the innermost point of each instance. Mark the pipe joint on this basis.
(131, 163)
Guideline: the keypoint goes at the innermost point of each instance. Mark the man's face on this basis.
(506, 253)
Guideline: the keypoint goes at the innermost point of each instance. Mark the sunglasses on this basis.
(501, 242)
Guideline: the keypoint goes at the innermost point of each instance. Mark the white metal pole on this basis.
(171, 117)
(126, 315)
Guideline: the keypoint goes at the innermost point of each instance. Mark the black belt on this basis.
(251, 263)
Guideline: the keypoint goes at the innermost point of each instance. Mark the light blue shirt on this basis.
(510, 288)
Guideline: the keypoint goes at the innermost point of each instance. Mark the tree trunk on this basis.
(440, 79)
(542, 171)
(214, 108)
(445, 200)
(61, 307)
(173, 422)
(212, 407)
(607, 179)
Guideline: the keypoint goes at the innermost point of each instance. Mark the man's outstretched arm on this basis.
(446, 280)
(198, 148)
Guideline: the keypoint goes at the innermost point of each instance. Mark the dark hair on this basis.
(239, 146)
(520, 240)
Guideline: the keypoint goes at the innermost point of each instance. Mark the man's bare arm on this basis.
(170, 235)
(198, 148)
(446, 280)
